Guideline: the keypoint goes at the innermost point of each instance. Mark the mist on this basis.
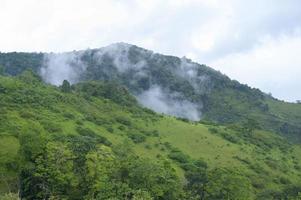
(164, 102)
(71, 66)
(59, 67)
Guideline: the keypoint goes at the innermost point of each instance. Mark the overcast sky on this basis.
(257, 42)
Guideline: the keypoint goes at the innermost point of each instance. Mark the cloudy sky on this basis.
(257, 42)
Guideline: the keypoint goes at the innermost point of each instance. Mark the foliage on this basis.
(225, 184)
(9, 196)
(57, 145)
(66, 87)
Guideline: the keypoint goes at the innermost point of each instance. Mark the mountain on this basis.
(165, 84)
(93, 140)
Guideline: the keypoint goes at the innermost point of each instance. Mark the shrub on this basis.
(110, 129)
(182, 119)
(136, 137)
(167, 145)
(51, 127)
(156, 133)
(90, 133)
(272, 163)
(27, 115)
(79, 122)
(284, 181)
(123, 120)
(213, 130)
(230, 138)
(68, 115)
(122, 128)
(179, 156)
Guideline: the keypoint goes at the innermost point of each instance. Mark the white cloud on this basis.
(274, 66)
(205, 30)
(164, 102)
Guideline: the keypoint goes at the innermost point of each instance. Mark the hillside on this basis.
(92, 140)
(166, 84)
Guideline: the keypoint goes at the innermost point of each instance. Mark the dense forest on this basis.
(93, 140)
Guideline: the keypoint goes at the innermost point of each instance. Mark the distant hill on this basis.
(166, 84)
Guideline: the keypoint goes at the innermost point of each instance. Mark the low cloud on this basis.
(59, 67)
(169, 103)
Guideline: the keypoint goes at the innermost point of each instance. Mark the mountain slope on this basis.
(40, 121)
(174, 86)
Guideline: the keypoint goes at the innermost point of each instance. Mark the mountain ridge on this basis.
(165, 84)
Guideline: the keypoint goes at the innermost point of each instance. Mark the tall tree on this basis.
(66, 87)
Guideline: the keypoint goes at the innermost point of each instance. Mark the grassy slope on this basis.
(267, 159)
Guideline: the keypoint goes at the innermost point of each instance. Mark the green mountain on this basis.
(133, 124)
(93, 140)
(167, 84)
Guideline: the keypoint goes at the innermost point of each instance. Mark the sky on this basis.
(257, 42)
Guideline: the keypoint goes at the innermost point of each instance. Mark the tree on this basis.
(55, 168)
(227, 184)
(157, 178)
(250, 125)
(100, 165)
(142, 195)
(32, 146)
(66, 87)
(30, 77)
(196, 175)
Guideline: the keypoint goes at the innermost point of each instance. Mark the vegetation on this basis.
(92, 143)
(219, 98)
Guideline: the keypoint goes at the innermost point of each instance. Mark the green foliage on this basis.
(55, 170)
(178, 156)
(66, 87)
(213, 130)
(86, 132)
(197, 177)
(51, 127)
(57, 145)
(225, 184)
(123, 120)
(9, 196)
(15, 63)
(29, 76)
(136, 137)
(109, 90)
